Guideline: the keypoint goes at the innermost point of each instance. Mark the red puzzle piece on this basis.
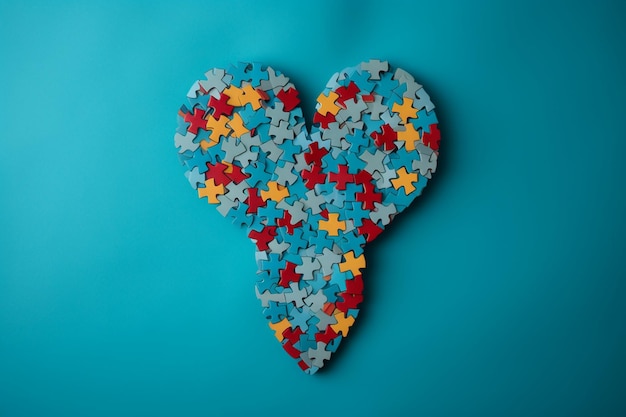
(289, 98)
(386, 138)
(432, 139)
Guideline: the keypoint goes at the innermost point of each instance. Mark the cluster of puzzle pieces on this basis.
(310, 201)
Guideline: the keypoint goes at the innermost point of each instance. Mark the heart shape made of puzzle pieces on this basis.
(309, 201)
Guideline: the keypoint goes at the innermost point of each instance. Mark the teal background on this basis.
(500, 292)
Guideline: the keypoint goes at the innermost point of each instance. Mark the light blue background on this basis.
(500, 292)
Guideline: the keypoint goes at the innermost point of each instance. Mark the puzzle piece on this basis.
(309, 200)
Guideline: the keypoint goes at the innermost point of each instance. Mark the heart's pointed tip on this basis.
(310, 371)
(313, 360)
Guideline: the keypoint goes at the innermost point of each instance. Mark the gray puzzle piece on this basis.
(308, 267)
(195, 177)
(375, 68)
(278, 247)
(374, 161)
(383, 214)
(349, 225)
(247, 157)
(284, 175)
(225, 204)
(276, 113)
(423, 100)
(316, 301)
(335, 133)
(376, 108)
(404, 77)
(267, 296)
(301, 164)
(318, 355)
(393, 120)
(233, 148)
(238, 192)
(352, 111)
(305, 358)
(346, 73)
(296, 210)
(194, 90)
(426, 165)
(216, 81)
(272, 150)
(324, 320)
(273, 81)
(352, 125)
(327, 259)
(260, 257)
(383, 179)
(296, 295)
(249, 141)
(314, 202)
(185, 142)
(281, 132)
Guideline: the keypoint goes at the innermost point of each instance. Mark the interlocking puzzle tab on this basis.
(310, 201)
